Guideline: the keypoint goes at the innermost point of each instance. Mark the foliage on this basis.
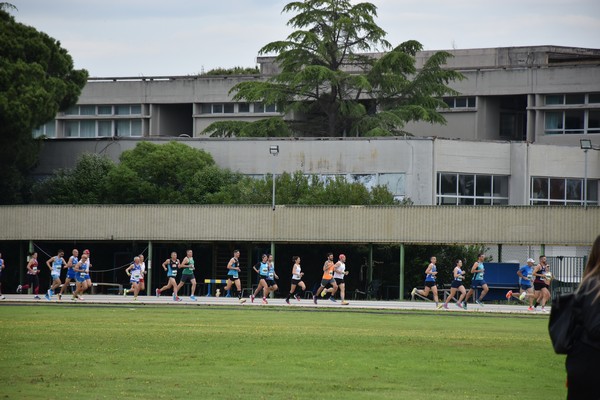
(300, 189)
(233, 71)
(37, 80)
(268, 127)
(157, 174)
(175, 173)
(333, 85)
(140, 351)
(84, 184)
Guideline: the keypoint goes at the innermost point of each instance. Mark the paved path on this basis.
(511, 308)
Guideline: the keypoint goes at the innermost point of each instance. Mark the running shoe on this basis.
(479, 302)
(324, 293)
(125, 291)
(445, 306)
(530, 308)
(251, 298)
(47, 296)
(438, 306)
(264, 301)
(80, 298)
(315, 299)
(2, 297)
(36, 297)
(51, 292)
(509, 294)
(242, 301)
(464, 305)
(544, 310)
(459, 305)
(297, 297)
(413, 293)
(134, 298)
(157, 292)
(19, 289)
(345, 303)
(193, 298)
(522, 296)
(59, 297)
(287, 300)
(176, 298)
(333, 299)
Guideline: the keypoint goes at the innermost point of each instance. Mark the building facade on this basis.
(512, 136)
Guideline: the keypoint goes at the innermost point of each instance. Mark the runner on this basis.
(457, 285)
(171, 266)
(327, 280)
(541, 283)
(88, 279)
(233, 270)
(81, 269)
(430, 284)
(525, 274)
(478, 270)
(134, 271)
(33, 280)
(71, 274)
(55, 264)
(1, 268)
(339, 273)
(188, 273)
(142, 283)
(271, 276)
(263, 275)
(297, 275)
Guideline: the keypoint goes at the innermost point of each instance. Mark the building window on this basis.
(128, 109)
(217, 108)
(128, 128)
(572, 118)
(243, 107)
(562, 191)
(262, 108)
(470, 189)
(102, 128)
(460, 102)
(105, 110)
(47, 130)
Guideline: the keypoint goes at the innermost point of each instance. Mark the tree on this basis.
(171, 173)
(84, 184)
(175, 173)
(300, 189)
(37, 80)
(333, 85)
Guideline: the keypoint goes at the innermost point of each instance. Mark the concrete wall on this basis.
(419, 158)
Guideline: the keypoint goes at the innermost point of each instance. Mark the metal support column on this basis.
(149, 269)
(401, 283)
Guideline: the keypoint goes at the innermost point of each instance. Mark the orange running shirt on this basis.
(328, 273)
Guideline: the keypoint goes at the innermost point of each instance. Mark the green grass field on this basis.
(75, 351)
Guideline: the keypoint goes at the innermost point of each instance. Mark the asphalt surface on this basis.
(514, 307)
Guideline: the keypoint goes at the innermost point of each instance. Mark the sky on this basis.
(135, 38)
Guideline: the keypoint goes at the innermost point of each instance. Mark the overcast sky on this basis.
(184, 37)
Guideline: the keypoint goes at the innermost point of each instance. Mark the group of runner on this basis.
(78, 271)
(534, 284)
(534, 280)
(332, 281)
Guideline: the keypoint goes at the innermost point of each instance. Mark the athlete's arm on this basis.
(230, 264)
(475, 266)
(29, 264)
(49, 262)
